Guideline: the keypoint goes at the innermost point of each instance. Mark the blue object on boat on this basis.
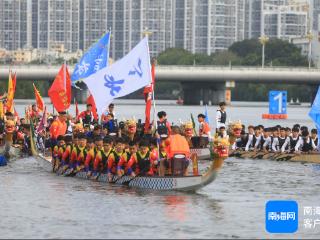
(3, 161)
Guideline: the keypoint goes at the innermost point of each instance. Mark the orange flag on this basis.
(39, 100)
(10, 93)
(90, 100)
(60, 90)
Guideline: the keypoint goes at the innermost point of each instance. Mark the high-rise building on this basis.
(208, 25)
(131, 19)
(316, 14)
(253, 18)
(13, 24)
(58, 24)
(284, 20)
(93, 21)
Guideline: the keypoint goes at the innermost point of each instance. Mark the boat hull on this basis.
(309, 158)
(188, 183)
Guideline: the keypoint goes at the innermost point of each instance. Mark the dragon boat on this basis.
(166, 183)
(313, 157)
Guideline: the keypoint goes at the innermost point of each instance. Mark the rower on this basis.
(82, 151)
(140, 163)
(291, 142)
(122, 167)
(115, 157)
(253, 140)
(100, 162)
(305, 143)
(91, 154)
(164, 127)
(56, 153)
(266, 141)
(278, 141)
(314, 136)
(67, 152)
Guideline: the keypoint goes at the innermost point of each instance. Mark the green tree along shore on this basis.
(248, 53)
(245, 53)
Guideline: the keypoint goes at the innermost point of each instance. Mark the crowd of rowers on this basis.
(277, 139)
(111, 147)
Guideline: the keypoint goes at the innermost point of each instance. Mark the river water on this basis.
(36, 204)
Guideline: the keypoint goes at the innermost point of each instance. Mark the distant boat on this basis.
(294, 103)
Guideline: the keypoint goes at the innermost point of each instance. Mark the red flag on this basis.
(60, 90)
(148, 98)
(39, 100)
(77, 109)
(90, 100)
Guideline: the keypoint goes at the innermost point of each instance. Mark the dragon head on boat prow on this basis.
(234, 131)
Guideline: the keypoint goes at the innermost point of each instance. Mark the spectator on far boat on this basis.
(221, 116)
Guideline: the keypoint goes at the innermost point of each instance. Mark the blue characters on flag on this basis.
(137, 70)
(111, 83)
(93, 60)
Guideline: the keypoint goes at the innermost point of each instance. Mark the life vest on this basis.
(281, 142)
(178, 145)
(117, 157)
(88, 117)
(143, 162)
(105, 156)
(162, 128)
(293, 143)
(254, 140)
(307, 146)
(316, 141)
(223, 118)
(243, 141)
(83, 151)
(262, 141)
(71, 149)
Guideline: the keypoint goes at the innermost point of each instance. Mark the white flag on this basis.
(127, 75)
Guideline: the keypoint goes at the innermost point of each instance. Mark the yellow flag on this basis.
(1, 110)
(10, 95)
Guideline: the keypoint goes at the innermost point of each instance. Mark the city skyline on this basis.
(199, 26)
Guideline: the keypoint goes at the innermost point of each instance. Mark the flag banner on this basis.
(43, 123)
(39, 100)
(127, 75)
(148, 91)
(60, 90)
(93, 60)
(207, 116)
(11, 91)
(315, 112)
